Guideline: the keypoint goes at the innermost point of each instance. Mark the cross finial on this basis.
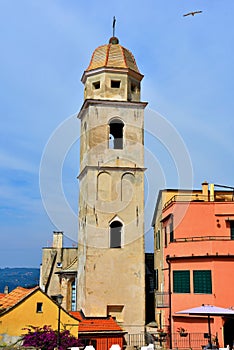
(114, 20)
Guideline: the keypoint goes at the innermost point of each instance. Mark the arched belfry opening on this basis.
(115, 234)
(116, 134)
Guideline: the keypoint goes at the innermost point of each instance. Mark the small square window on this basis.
(133, 87)
(39, 307)
(115, 84)
(96, 85)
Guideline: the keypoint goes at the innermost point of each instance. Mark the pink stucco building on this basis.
(194, 262)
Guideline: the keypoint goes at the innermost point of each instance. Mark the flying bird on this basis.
(192, 13)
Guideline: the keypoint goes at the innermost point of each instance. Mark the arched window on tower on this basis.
(127, 187)
(115, 234)
(104, 186)
(116, 134)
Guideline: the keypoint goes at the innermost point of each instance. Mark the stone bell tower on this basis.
(111, 258)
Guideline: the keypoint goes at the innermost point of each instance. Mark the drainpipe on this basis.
(169, 290)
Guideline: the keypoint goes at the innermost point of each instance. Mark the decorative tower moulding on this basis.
(111, 252)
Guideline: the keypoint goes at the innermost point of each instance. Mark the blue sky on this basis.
(45, 47)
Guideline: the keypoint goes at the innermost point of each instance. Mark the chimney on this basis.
(212, 193)
(57, 240)
(6, 290)
(205, 190)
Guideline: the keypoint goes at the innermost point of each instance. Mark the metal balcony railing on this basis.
(202, 238)
(197, 197)
(186, 198)
(161, 299)
(190, 341)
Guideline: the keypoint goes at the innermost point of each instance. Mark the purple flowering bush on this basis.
(45, 338)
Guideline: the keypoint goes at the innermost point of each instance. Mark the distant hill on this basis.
(18, 276)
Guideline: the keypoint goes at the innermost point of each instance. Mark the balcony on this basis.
(198, 197)
(192, 341)
(202, 238)
(161, 299)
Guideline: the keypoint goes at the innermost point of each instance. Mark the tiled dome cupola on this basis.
(112, 74)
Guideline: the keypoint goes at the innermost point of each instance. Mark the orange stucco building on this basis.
(194, 262)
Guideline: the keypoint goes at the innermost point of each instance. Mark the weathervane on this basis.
(114, 20)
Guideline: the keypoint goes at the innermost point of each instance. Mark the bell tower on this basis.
(111, 254)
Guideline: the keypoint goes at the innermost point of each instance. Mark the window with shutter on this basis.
(156, 279)
(181, 281)
(171, 231)
(158, 240)
(202, 282)
(232, 229)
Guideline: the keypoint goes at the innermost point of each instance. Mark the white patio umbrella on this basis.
(208, 310)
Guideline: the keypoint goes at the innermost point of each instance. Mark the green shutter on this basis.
(156, 279)
(202, 281)
(158, 240)
(171, 232)
(232, 229)
(181, 281)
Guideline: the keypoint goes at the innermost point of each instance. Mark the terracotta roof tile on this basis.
(95, 324)
(14, 297)
(112, 56)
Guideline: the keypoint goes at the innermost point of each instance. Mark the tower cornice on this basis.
(112, 103)
(109, 168)
(96, 71)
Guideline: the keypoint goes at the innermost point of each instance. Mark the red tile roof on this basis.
(96, 324)
(112, 55)
(11, 299)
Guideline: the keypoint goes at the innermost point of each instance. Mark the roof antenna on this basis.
(114, 20)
